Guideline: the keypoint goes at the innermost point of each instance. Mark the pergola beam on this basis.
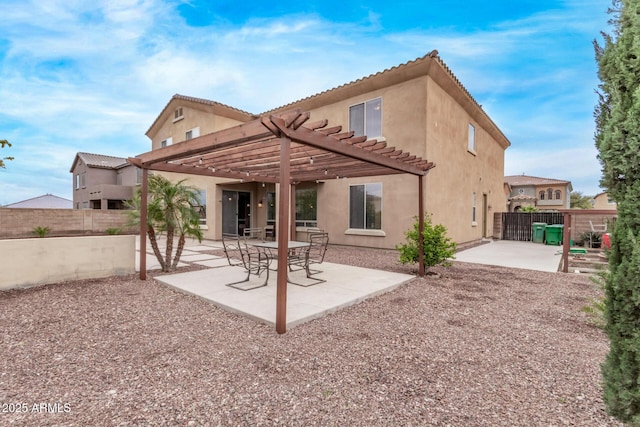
(315, 139)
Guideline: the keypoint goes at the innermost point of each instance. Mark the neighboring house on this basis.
(543, 193)
(419, 107)
(102, 182)
(46, 201)
(603, 201)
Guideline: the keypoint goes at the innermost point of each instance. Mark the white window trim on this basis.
(195, 132)
(471, 143)
(180, 117)
(365, 232)
(474, 211)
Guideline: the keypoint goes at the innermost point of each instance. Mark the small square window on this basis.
(192, 133)
(166, 142)
(178, 114)
(472, 139)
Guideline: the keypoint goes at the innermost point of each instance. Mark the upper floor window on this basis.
(550, 194)
(558, 195)
(472, 139)
(192, 133)
(166, 142)
(366, 118)
(83, 179)
(177, 115)
(365, 206)
(77, 181)
(138, 176)
(541, 195)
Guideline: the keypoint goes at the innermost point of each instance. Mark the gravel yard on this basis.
(470, 345)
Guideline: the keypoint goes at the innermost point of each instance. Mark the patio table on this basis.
(268, 247)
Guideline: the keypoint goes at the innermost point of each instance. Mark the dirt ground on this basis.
(469, 345)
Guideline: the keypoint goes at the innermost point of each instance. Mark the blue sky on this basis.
(92, 76)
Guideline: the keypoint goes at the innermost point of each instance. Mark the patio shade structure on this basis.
(285, 149)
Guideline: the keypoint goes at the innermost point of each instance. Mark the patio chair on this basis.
(596, 228)
(254, 262)
(310, 255)
(270, 232)
(231, 246)
(254, 233)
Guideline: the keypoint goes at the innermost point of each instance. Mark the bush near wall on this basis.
(19, 223)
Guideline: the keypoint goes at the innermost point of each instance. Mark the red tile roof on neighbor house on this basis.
(520, 180)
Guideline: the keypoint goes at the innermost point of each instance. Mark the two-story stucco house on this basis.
(419, 106)
(102, 182)
(604, 201)
(543, 193)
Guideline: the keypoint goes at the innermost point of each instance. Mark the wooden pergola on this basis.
(285, 149)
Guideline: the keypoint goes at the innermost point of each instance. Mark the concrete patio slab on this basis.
(508, 253)
(214, 262)
(197, 256)
(344, 286)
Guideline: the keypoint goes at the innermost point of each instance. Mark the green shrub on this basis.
(114, 230)
(40, 231)
(591, 236)
(438, 248)
(596, 307)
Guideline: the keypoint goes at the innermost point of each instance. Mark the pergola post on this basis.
(421, 271)
(283, 235)
(566, 240)
(292, 233)
(144, 187)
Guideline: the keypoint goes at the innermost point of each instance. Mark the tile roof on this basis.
(402, 71)
(519, 180)
(46, 201)
(102, 161)
(203, 101)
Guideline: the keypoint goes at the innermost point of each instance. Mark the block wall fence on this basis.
(19, 223)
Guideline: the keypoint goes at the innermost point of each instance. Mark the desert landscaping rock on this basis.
(469, 345)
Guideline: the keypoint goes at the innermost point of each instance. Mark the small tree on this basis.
(618, 141)
(438, 248)
(171, 210)
(529, 208)
(3, 143)
(580, 201)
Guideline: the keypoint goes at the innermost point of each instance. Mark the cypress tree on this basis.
(618, 141)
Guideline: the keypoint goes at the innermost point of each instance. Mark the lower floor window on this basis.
(202, 206)
(306, 207)
(365, 206)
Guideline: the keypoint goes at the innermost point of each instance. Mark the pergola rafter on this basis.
(285, 149)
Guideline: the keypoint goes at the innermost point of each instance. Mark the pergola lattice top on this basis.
(251, 152)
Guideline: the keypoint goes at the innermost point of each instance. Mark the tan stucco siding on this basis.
(176, 130)
(399, 207)
(601, 201)
(458, 172)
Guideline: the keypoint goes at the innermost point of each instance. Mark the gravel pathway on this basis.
(470, 345)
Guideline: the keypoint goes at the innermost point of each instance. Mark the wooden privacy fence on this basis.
(518, 225)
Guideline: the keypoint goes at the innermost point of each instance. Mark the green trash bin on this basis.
(537, 232)
(554, 234)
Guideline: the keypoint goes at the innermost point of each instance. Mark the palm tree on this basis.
(172, 210)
